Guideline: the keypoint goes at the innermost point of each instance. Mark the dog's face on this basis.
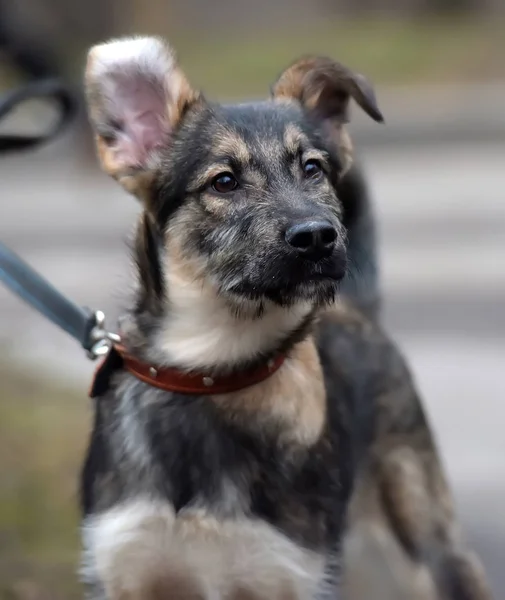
(249, 192)
(245, 195)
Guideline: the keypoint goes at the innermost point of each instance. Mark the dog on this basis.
(257, 435)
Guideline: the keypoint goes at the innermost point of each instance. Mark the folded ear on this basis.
(137, 97)
(324, 88)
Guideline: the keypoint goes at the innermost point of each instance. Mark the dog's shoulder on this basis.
(343, 329)
(371, 395)
(356, 353)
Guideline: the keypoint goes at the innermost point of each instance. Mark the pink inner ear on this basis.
(138, 106)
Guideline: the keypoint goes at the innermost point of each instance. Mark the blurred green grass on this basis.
(43, 431)
(237, 62)
(416, 51)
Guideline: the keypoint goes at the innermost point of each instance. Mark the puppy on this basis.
(256, 435)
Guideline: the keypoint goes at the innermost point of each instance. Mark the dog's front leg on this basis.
(132, 553)
(403, 542)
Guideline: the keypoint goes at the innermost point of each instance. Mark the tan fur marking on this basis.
(135, 182)
(185, 268)
(287, 100)
(310, 78)
(405, 491)
(255, 178)
(346, 149)
(290, 83)
(232, 144)
(294, 397)
(215, 204)
(343, 312)
(294, 138)
(106, 157)
(183, 94)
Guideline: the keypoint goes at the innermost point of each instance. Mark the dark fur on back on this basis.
(321, 481)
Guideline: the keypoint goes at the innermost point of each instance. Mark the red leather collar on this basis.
(175, 380)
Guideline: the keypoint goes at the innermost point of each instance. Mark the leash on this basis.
(87, 327)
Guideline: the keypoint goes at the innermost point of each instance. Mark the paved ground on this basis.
(442, 211)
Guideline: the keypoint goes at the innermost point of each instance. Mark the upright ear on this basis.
(137, 97)
(324, 88)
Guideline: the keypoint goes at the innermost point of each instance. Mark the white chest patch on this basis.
(142, 551)
(200, 331)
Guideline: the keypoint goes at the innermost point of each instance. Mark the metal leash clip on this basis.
(101, 340)
(84, 325)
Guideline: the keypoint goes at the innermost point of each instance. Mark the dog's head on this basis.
(243, 197)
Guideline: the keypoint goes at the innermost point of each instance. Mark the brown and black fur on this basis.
(328, 465)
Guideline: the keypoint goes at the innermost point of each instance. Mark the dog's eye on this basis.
(312, 169)
(224, 183)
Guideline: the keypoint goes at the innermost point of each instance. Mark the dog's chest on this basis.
(213, 507)
(269, 463)
(184, 452)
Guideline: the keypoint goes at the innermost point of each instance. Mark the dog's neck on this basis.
(199, 330)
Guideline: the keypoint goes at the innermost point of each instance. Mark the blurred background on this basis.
(436, 171)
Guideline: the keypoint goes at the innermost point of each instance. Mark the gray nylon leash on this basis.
(85, 326)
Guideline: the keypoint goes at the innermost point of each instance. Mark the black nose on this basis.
(312, 239)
